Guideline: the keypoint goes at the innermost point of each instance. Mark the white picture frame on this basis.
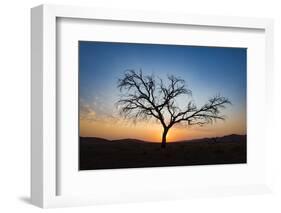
(44, 149)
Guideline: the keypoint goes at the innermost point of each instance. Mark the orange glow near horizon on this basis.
(152, 132)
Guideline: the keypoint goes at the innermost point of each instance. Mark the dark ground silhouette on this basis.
(99, 153)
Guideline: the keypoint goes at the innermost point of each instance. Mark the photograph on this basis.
(159, 105)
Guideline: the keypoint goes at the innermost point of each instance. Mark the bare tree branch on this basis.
(146, 98)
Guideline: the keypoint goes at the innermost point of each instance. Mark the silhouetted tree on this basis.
(149, 97)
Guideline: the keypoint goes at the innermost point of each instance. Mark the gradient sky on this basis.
(208, 71)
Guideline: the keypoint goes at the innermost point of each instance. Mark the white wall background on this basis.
(15, 103)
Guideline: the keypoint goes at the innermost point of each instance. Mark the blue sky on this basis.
(207, 71)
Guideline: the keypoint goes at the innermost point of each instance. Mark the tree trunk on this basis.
(164, 135)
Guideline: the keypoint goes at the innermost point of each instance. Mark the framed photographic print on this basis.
(133, 106)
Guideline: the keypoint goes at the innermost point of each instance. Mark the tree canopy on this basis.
(145, 97)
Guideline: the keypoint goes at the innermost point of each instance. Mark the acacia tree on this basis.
(145, 97)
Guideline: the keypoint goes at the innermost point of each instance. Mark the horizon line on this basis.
(160, 141)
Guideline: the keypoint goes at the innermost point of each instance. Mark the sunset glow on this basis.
(207, 72)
